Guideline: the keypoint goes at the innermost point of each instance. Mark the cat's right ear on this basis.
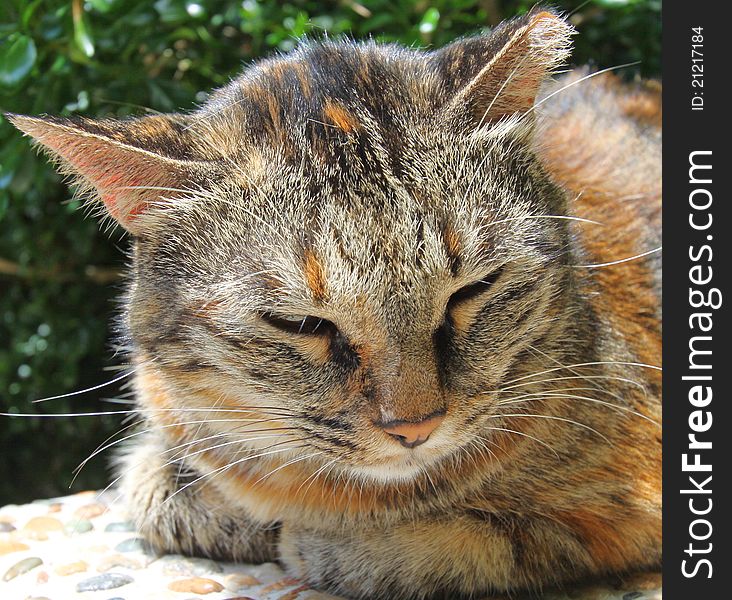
(130, 165)
(494, 76)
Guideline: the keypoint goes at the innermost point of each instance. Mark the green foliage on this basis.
(118, 57)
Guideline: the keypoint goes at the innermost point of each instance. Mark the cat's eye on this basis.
(299, 324)
(474, 290)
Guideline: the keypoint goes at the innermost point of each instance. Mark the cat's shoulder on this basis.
(599, 134)
(605, 96)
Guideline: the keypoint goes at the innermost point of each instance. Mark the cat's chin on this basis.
(399, 469)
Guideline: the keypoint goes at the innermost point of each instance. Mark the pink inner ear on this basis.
(114, 170)
(115, 180)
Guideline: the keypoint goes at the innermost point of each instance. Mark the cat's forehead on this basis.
(344, 87)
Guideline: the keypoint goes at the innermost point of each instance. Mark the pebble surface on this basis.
(83, 547)
(108, 581)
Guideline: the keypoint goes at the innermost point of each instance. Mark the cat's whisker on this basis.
(109, 444)
(89, 389)
(621, 399)
(228, 466)
(179, 452)
(160, 468)
(427, 475)
(578, 81)
(560, 217)
(547, 395)
(216, 404)
(553, 379)
(100, 448)
(68, 415)
(587, 364)
(620, 261)
(208, 449)
(287, 464)
(314, 476)
(540, 353)
(482, 448)
(136, 411)
(521, 433)
(576, 389)
(553, 418)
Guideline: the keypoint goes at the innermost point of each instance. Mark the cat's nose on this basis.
(411, 434)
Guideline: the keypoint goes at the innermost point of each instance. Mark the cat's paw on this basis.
(177, 514)
(327, 562)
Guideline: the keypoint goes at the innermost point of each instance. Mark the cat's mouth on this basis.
(392, 470)
(400, 464)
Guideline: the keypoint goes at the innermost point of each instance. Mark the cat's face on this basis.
(343, 239)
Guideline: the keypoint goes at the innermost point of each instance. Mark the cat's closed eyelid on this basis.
(298, 324)
(474, 290)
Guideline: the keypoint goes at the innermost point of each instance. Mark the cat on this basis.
(394, 315)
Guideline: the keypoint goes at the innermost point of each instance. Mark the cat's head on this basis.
(350, 238)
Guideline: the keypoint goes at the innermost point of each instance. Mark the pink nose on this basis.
(410, 434)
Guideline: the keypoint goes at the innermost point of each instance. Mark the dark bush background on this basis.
(59, 272)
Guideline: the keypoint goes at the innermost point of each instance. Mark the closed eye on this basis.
(474, 290)
(299, 324)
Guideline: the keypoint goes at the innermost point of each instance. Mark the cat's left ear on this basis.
(493, 76)
(130, 165)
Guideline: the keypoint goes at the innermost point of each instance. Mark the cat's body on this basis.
(368, 338)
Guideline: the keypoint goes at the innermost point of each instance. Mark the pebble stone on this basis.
(43, 524)
(71, 568)
(197, 585)
(22, 567)
(89, 511)
(120, 526)
(118, 560)
(234, 583)
(108, 581)
(6, 547)
(134, 545)
(176, 565)
(42, 577)
(78, 526)
(205, 565)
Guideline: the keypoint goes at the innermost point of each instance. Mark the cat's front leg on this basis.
(179, 515)
(447, 557)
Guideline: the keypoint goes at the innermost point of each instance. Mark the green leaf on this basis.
(171, 11)
(103, 6)
(429, 21)
(17, 57)
(82, 35)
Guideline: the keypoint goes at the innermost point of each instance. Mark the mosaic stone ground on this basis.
(82, 547)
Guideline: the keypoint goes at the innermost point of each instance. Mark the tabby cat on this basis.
(394, 315)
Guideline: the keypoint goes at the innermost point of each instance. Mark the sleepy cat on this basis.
(394, 315)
